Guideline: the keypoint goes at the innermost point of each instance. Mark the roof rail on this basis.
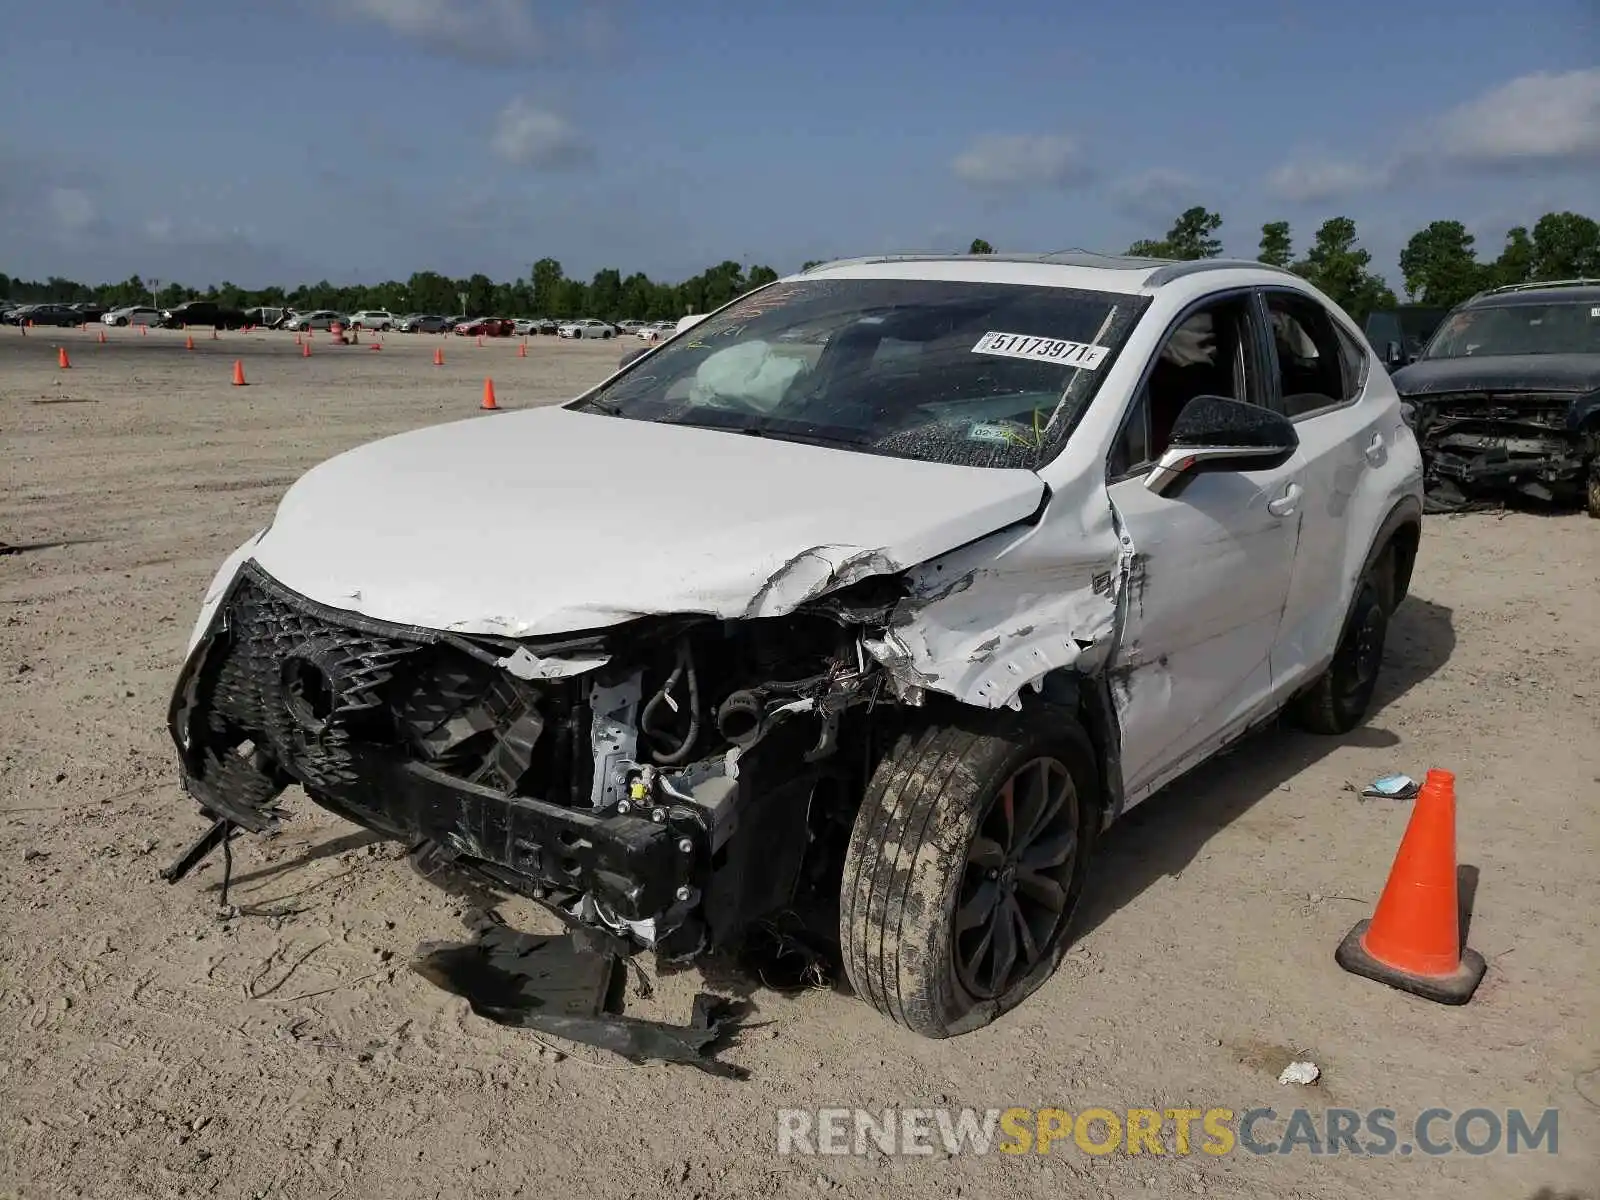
(1162, 270)
(1536, 285)
(1178, 269)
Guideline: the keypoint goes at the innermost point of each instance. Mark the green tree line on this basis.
(546, 292)
(1439, 265)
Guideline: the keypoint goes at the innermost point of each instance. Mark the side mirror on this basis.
(1213, 433)
(1394, 354)
(633, 354)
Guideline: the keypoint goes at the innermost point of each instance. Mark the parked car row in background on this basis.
(211, 314)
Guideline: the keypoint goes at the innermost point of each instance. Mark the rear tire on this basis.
(1591, 497)
(943, 874)
(1339, 699)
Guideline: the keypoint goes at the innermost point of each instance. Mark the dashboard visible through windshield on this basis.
(1568, 327)
(968, 373)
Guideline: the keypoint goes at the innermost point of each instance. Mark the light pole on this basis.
(155, 285)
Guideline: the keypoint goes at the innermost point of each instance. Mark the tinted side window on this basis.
(1354, 360)
(1207, 354)
(1311, 361)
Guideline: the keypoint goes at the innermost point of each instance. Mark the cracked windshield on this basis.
(973, 374)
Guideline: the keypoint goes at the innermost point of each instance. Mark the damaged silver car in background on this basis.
(857, 609)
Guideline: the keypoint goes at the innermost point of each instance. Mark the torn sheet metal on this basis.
(558, 985)
(988, 620)
(525, 664)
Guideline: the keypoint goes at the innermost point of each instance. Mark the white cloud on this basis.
(71, 209)
(532, 137)
(1540, 119)
(1021, 160)
(1311, 179)
(490, 31)
(1156, 193)
(1543, 121)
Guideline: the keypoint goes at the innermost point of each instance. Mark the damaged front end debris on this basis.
(1481, 449)
(605, 776)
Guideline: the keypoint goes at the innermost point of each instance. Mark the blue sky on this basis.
(270, 141)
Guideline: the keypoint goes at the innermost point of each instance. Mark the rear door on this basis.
(1213, 563)
(1323, 380)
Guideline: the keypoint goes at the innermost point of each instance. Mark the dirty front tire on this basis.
(1591, 497)
(928, 878)
(1338, 701)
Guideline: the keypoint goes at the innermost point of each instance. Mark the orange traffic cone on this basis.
(489, 402)
(1413, 941)
(480, 339)
(62, 360)
(188, 343)
(377, 345)
(305, 349)
(238, 373)
(297, 339)
(522, 350)
(144, 331)
(438, 356)
(102, 337)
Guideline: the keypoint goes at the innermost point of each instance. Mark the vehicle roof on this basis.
(1128, 274)
(1573, 292)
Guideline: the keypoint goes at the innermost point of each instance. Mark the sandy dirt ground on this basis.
(152, 1047)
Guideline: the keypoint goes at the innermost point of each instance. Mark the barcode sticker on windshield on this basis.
(1042, 349)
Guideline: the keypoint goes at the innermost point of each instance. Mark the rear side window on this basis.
(1314, 360)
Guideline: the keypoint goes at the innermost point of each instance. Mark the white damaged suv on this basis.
(857, 610)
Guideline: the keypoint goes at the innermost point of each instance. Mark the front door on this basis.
(1212, 564)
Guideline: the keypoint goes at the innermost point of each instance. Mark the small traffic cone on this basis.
(62, 360)
(213, 333)
(188, 343)
(1413, 941)
(480, 339)
(489, 402)
(305, 349)
(377, 345)
(238, 373)
(144, 331)
(102, 337)
(522, 350)
(298, 340)
(438, 356)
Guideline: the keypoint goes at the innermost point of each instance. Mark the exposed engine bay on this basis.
(605, 776)
(1481, 448)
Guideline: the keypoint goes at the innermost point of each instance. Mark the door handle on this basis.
(1285, 504)
(1374, 450)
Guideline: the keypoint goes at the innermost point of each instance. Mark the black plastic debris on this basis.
(560, 985)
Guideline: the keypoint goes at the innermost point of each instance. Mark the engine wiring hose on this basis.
(684, 668)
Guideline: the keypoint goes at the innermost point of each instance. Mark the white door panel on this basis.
(1212, 571)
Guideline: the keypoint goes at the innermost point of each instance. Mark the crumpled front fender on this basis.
(987, 620)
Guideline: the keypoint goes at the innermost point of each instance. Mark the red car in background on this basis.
(485, 327)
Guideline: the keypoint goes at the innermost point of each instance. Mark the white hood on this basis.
(549, 521)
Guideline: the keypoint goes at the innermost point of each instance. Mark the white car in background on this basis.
(373, 318)
(941, 564)
(656, 331)
(321, 318)
(133, 314)
(587, 327)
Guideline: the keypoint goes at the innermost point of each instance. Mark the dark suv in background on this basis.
(1505, 398)
(202, 312)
